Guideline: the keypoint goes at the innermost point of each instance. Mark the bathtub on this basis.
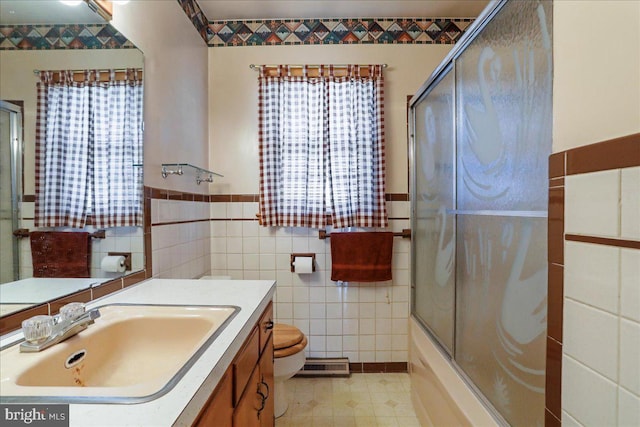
(440, 396)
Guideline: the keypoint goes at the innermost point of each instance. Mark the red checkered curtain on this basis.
(322, 147)
(89, 150)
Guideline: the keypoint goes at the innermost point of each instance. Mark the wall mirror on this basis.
(80, 51)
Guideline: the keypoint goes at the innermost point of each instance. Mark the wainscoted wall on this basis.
(593, 343)
(366, 322)
(180, 234)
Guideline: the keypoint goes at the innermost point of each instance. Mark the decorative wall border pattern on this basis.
(51, 37)
(197, 17)
(336, 31)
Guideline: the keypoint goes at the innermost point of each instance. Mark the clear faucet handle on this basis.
(37, 328)
(71, 311)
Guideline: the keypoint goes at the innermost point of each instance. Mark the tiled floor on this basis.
(363, 400)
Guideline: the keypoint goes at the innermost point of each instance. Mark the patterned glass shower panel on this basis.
(504, 81)
(502, 312)
(434, 221)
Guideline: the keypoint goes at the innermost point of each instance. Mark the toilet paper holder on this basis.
(293, 260)
(127, 258)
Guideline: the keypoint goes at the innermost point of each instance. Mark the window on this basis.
(89, 149)
(321, 133)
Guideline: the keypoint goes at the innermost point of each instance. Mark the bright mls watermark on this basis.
(34, 415)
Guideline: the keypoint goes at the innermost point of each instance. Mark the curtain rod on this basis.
(258, 67)
(117, 70)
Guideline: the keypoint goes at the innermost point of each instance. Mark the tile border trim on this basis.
(617, 153)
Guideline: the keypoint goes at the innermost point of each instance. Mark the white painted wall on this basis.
(233, 102)
(176, 104)
(596, 91)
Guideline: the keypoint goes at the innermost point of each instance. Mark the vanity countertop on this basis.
(181, 405)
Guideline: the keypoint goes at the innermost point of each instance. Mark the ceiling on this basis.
(223, 10)
(14, 12)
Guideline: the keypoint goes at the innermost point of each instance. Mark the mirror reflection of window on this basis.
(89, 148)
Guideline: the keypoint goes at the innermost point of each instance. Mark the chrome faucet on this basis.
(65, 325)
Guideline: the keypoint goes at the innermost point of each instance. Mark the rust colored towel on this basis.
(61, 254)
(361, 257)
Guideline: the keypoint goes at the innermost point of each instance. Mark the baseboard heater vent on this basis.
(320, 367)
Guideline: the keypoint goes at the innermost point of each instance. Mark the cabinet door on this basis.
(243, 365)
(246, 412)
(219, 409)
(266, 325)
(266, 385)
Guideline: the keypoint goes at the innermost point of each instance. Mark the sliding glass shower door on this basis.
(434, 199)
(480, 208)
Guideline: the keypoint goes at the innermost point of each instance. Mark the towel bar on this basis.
(405, 234)
(24, 232)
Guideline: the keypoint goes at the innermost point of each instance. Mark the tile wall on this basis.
(180, 235)
(593, 362)
(196, 235)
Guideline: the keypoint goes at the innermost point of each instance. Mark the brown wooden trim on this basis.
(556, 182)
(553, 378)
(29, 198)
(396, 197)
(80, 296)
(240, 198)
(607, 241)
(550, 420)
(244, 198)
(106, 288)
(555, 301)
(220, 198)
(556, 165)
(156, 224)
(378, 367)
(615, 153)
(555, 226)
(13, 321)
(132, 279)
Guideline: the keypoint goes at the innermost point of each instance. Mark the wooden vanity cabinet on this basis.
(244, 395)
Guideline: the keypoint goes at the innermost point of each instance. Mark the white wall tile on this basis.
(317, 327)
(334, 327)
(350, 343)
(630, 283)
(569, 421)
(317, 294)
(630, 356)
(250, 262)
(350, 326)
(628, 409)
(630, 204)
(592, 203)
(367, 327)
(591, 274)
(250, 229)
(317, 311)
(234, 228)
(587, 396)
(591, 337)
(234, 245)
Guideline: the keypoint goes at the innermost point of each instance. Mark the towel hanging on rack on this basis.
(61, 254)
(361, 256)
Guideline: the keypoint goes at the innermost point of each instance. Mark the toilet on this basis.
(288, 354)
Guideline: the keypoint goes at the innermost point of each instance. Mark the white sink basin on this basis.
(132, 354)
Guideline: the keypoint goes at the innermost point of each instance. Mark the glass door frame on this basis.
(16, 145)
